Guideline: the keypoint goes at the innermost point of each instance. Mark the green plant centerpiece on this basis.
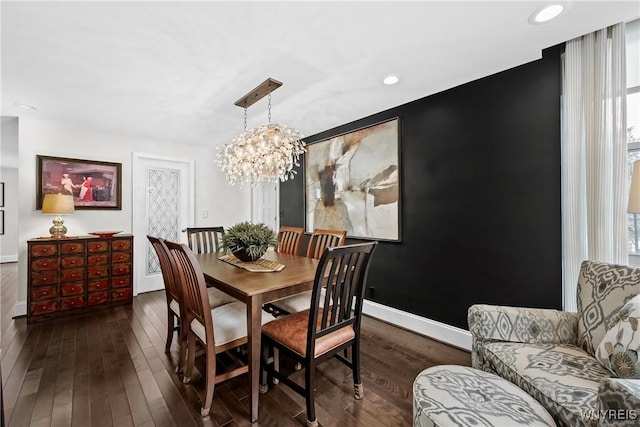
(248, 241)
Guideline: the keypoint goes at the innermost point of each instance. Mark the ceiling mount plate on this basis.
(258, 93)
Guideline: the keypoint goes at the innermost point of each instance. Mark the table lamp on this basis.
(57, 204)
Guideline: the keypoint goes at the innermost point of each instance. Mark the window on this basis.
(633, 119)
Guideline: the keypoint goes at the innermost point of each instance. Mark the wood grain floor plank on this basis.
(81, 401)
(157, 405)
(23, 410)
(137, 403)
(43, 405)
(14, 369)
(100, 402)
(63, 398)
(179, 409)
(120, 411)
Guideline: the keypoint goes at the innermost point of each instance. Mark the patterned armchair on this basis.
(553, 355)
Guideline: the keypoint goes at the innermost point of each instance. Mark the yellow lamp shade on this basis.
(58, 204)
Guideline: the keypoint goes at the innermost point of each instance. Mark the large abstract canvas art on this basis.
(352, 182)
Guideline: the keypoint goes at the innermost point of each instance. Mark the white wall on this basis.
(226, 204)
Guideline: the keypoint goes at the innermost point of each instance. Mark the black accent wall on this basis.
(480, 171)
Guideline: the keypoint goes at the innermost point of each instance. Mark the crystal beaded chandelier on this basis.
(264, 153)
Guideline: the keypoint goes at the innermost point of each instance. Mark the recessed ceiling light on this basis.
(546, 13)
(391, 80)
(24, 106)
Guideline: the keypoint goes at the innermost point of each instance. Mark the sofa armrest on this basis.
(619, 402)
(519, 324)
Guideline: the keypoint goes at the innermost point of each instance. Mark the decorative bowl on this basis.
(104, 233)
(243, 256)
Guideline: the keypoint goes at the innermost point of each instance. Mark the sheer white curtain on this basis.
(594, 154)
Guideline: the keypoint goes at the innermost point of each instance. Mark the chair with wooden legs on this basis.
(289, 239)
(175, 302)
(319, 241)
(204, 239)
(215, 330)
(328, 328)
(173, 293)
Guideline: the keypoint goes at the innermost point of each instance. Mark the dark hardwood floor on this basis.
(109, 368)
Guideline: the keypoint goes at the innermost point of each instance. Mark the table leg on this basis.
(254, 330)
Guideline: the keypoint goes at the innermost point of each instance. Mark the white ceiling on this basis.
(173, 70)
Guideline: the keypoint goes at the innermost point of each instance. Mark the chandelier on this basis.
(264, 153)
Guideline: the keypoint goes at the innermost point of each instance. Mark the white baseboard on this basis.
(8, 258)
(440, 331)
(20, 309)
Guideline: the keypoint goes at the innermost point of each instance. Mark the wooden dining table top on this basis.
(241, 283)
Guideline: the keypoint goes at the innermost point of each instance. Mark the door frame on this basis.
(136, 215)
(260, 203)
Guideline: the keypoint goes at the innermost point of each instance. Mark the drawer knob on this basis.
(44, 279)
(44, 293)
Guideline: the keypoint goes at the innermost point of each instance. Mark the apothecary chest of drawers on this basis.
(78, 274)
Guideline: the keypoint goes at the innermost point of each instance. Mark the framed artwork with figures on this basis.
(352, 182)
(93, 184)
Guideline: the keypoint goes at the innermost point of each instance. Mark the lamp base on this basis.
(58, 229)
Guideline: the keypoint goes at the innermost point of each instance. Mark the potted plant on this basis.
(248, 241)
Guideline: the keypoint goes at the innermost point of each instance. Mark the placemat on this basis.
(258, 266)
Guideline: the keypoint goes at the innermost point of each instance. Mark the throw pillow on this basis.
(619, 349)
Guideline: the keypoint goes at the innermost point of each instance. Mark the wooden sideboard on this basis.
(78, 274)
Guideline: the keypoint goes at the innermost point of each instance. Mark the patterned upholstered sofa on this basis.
(551, 354)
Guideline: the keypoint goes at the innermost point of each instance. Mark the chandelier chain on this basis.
(269, 108)
(245, 118)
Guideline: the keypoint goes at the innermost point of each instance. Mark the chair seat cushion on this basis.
(298, 302)
(563, 377)
(449, 395)
(175, 307)
(229, 323)
(294, 303)
(218, 298)
(291, 331)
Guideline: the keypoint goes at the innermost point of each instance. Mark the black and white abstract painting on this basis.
(352, 183)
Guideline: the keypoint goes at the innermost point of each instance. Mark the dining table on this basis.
(256, 289)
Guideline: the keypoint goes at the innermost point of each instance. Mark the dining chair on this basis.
(212, 330)
(322, 239)
(319, 241)
(173, 294)
(175, 301)
(204, 239)
(289, 239)
(328, 328)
